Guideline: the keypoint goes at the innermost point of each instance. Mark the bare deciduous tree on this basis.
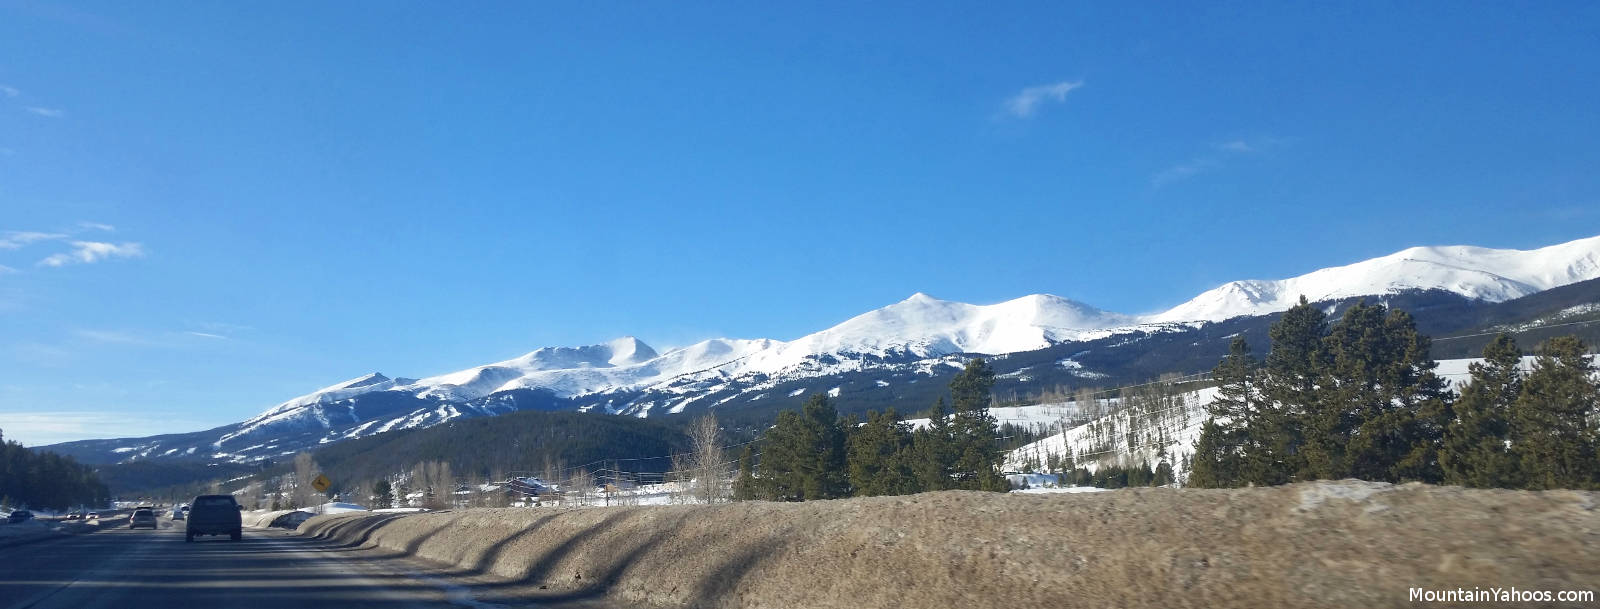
(250, 497)
(707, 462)
(305, 470)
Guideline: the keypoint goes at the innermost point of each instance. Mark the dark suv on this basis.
(213, 515)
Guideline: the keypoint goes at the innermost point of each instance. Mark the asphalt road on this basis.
(121, 568)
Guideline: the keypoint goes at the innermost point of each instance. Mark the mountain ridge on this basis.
(916, 337)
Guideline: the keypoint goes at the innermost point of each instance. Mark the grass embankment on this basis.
(1340, 544)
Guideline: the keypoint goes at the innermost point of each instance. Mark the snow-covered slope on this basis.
(920, 336)
(1494, 275)
(923, 326)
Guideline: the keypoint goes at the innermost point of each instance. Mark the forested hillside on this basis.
(491, 447)
(41, 479)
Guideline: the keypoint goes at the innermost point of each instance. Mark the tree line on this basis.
(1360, 398)
(814, 453)
(46, 480)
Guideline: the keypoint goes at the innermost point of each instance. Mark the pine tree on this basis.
(1350, 394)
(1219, 459)
(933, 450)
(1402, 406)
(785, 449)
(878, 453)
(805, 456)
(1214, 464)
(1163, 475)
(1475, 451)
(972, 430)
(383, 494)
(1290, 382)
(1552, 428)
(745, 486)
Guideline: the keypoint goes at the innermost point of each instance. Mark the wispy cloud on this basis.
(97, 226)
(1026, 102)
(9, 91)
(87, 252)
(109, 336)
(205, 335)
(38, 428)
(1216, 158)
(10, 240)
(1185, 170)
(6, 270)
(47, 112)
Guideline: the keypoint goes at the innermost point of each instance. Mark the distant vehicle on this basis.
(20, 516)
(214, 515)
(178, 512)
(75, 516)
(93, 515)
(143, 517)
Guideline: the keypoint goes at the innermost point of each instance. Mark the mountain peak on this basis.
(1479, 273)
(630, 350)
(368, 380)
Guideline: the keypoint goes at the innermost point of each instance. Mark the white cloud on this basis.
(1236, 146)
(86, 252)
(109, 336)
(1026, 102)
(205, 334)
(47, 112)
(1219, 156)
(9, 91)
(97, 226)
(1185, 170)
(6, 270)
(49, 427)
(10, 240)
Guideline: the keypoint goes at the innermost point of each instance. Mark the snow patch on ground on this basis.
(1312, 497)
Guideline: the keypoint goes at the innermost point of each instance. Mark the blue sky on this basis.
(211, 207)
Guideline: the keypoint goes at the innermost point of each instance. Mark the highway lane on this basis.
(120, 568)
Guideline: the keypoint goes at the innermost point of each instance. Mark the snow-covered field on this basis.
(1022, 416)
(1168, 435)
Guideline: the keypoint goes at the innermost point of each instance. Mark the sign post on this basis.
(321, 483)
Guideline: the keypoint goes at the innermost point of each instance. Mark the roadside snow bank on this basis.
(1330, 544)
(28, 531)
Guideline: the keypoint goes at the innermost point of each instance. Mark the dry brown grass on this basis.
(1343, 544)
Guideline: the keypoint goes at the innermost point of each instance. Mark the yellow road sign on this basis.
(321, 483)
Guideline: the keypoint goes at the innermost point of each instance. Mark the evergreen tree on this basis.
(1213, 465)
(1163, 475)
(1475, 451)
(1140, 475)
(972, 430)
(785, 448)
(878, 454)
(1349, 382)
(1219, 459)
(933, 450)
(1290, 382)
(745, 487)
(383, 494)
(1552, 424)
(805, 456)
(1398, 405)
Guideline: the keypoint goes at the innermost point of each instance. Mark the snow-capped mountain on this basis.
(917, 328)
(1480, 273)
(1043, 336)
